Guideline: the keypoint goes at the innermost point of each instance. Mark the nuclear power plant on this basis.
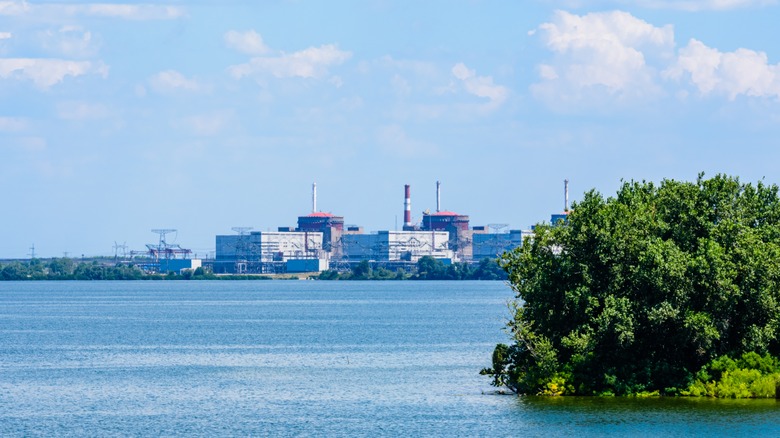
(321, 241)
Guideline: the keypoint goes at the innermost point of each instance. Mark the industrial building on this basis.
(391, 246)
(558, 218)
(492, 245)
(322, 241)
(265, 251)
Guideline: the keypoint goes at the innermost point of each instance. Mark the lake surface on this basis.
(295, 358)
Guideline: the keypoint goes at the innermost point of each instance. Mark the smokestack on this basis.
(438, 196)
(314, 197)
(566, 195)
(407, 207)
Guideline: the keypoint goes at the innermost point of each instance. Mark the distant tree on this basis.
(328, 275)
(489, 269)
(61, 267)
(381, 273)
(361, 271)
(13, 272)
(429, 268)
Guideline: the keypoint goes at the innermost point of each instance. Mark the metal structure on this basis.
(407, 208)
(243, 249)
(492, 245)
(117, 248)
(497, 227)
(164, 250)
(438, 196)
(395, 246)
(264, 252)
(314, 197)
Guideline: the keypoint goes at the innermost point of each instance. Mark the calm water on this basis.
(291, 358)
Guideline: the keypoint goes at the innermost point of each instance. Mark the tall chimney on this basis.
(407, 207)
(438, 196)
(314, 197)
(566, 195)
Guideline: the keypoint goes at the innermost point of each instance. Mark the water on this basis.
(294, 358)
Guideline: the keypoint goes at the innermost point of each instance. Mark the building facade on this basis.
(254, 252)
(390, 246)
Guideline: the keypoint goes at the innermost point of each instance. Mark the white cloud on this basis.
(600, 54)
(171, 80)
(70, 41)
(308, 63)
(401, 85)
(205, 124)
(46, 72)
(79, 111)
(423, 69)
(5, 35)
(249, 42)
(481, 86)
(700, 5)
(107, 10)
(13, 124)
(31, 144)
(741, 72)
(394, 141)
(133, 12)
(680, 5)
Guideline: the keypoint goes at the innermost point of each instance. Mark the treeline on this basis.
(427, 268)
(69, 269)
(670, 289)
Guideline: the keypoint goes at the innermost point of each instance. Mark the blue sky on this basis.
(117, 118)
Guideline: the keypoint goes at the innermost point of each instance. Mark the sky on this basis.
(204, 115)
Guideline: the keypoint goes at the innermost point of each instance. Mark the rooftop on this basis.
(445, 213)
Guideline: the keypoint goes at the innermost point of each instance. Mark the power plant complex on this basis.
(322, 241)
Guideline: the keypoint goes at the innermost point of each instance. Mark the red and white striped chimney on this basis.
(407, 207)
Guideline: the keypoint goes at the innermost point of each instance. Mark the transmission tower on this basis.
(117, 248)
(497, 227)
(242, 249)
(163, 233)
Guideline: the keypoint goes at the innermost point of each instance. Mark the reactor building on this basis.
(321, 241)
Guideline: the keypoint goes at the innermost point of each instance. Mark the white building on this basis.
(269, 246)
(396, 245)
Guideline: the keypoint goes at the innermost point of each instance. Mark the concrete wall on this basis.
(176, 265)
(262, 246)
(396, 245)
(492, 245)
(307, 265)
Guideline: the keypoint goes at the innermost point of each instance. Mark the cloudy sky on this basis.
(118, 118)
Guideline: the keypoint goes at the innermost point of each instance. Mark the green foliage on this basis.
(361, 271)
(427, 268)
(750, 376)
(328, 275)
(638, 291)
(70, 269)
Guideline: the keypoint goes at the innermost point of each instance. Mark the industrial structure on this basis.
(556, 218)
(266, 252)
(322, 241)
(165, 257)
(394, 246)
